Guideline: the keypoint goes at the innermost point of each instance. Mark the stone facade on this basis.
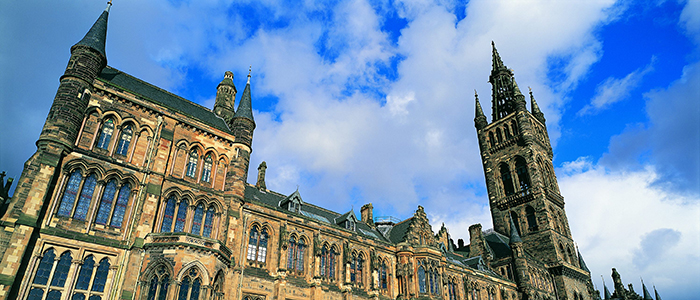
(136, 193)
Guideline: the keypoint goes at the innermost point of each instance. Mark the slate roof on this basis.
(119, 79)
(245, 109)
(272, 199)
(498, 244)
(96, 36)
(398, 233)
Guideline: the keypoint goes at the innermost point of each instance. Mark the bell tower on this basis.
(522, 187)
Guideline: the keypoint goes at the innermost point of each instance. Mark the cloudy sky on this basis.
(359, 102)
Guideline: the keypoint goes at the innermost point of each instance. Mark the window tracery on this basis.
(190, 285)
(356, 268)
(125, 140)
(328, 257)
(192, 164)
(112, 205)
(159, 284)
(105, 134)
(257, 244)
(295, 254)
(206, 169)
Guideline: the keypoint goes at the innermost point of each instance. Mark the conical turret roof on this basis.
(606, 292)
(514, 236)
(97, 35)
(647, 295)
(245, 107)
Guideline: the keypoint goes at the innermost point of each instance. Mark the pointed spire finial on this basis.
(514, 236)
(479, 118)
(95, 38)
(656, 294)
(245, 108)
(497, 63)
(250, 68)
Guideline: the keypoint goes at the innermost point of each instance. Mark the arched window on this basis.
(181, 216)
(98, 281)
(208, 221)
(571, 256)
(168, 215)
(506, 179)
(421, 279)
(124, 140)
(105, 134)
(300, 255)
(50, 270)
(327, 262)
(563, 252)
(190, 286)
(206, 170)
(192, 164)
(492, 142)
(531, 220)
(507, 132)
(257, 244)
(106, 202)
(383, 280)
(81, 208)
(431, 281)
(159, 283)
(197, 219)
(120, 206)
(69, 194)
(499, 135)
(356, 265)
(290, 253)
(523, 176)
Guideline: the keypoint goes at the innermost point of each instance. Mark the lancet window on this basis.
(328, 258)
(257, 244)
(383, 280)
(91, 281)
(79, 192)
(356, 269)
(192, 164)
(295, 254)
(523, 176)
(113, 204)
(206, 168)
(125, 140)
(506, 179)
(159, 284)
(105, 134)
(190, 285)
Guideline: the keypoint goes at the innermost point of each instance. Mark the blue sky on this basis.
(360, 102)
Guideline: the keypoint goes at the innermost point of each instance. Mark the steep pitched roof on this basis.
(397, 234)
(154, 94)
(97, 35)
(273, 200)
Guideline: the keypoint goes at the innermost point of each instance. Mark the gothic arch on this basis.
(197, 265)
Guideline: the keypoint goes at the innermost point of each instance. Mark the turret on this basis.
(647, 295)
(243, 123)
(225, 97)
(479, 117)
(87, 60)
(535, 109)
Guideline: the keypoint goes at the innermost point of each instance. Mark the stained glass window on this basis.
(168, 215)
(194, 294)
(125, 140)
(35, 294)
(70, 194)
(153, 289)
(54, 295)
(192, 164)
(181, 217)
(262, 246)
(106, 202)
(44, 269)
(164, 284)
(324, 264)
(81, 208)
(95, 297)
(383, 277)
(78, 296)
(300, 255)
(197, 220)
(331, 264)
(206, 170)
(61, 273)
(85, 274)
(353, 267)
(120, 207)
(360, 266)
(106, 134)
(208, 220)
(184, 288)
(290, 256)
(421, 279)
(252, 243)
(101, 276)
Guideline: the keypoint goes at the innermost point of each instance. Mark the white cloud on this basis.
(614, 90)
(621, 220)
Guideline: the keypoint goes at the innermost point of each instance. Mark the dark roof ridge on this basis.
(109, 74)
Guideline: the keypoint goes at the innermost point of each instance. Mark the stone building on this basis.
(136, 193)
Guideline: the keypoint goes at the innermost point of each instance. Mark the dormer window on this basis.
(350, 225)
(294, 207)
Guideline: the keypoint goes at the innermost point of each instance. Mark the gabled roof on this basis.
(498, 243)
(294, 197)
(346, 216)
(121, 80)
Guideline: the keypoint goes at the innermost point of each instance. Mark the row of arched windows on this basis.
(523, 178)
(502, 133)
(78, 195)
(111, 138)
(328, 262)
(295, 254)
(51, 277)
(428, 281)
(176, 215)
(190, 287)
(193, 163)
(452, 289)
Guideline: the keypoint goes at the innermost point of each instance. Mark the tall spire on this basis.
(581, 263)
(606, 292)
(647, 295)
(496, 62)
(97, 35)
(536, 108)
(506, 97)
(656, 294)
(479, 117)
(245, 107)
